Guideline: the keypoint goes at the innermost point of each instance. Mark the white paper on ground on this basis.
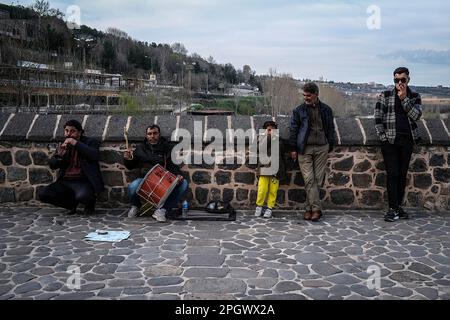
(110, 236)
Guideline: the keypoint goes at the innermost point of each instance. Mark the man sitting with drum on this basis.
(152, 151)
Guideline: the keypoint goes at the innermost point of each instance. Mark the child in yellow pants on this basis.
(267, 188)
(268, 184)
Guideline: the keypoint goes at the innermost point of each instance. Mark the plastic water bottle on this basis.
(184, 209)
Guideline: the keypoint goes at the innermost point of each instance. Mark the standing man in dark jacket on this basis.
(79, 179)
(396, 113)
(154, 150)
(312, 137)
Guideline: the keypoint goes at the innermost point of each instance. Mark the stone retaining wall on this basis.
(355, 176)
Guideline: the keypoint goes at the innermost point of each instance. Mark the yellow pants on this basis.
(267, 188)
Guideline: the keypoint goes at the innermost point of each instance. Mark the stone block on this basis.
(114, 131)
(18, 127)
(43, 128)
(437, 131)
(343, 165)
(342, 197)
(40, 176)
(95, 126)
(22, 157)
(244, 177)
(349, 131)
(201, 177)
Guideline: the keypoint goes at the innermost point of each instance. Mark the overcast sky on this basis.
(306, 38)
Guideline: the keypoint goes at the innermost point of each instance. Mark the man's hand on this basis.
(128, 155)
(402, 91)
(61, 150)
(69, 141)
(294, 155)
(180, 179)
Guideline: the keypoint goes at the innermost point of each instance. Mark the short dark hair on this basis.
(270, 124)
(401, 70)
(311, 87)
(153, 126)
(74, 123)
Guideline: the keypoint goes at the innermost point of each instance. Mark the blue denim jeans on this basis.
(171, 201)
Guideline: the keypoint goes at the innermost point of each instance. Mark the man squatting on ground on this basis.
(79, 179)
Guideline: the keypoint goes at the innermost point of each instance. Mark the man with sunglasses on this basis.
(396, 113)
(312, 137)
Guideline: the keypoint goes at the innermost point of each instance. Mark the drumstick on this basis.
(125, 134)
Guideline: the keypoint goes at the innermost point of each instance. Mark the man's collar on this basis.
(316, 104)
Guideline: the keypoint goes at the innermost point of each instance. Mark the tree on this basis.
(246, 73)
(281, 92)
(230, 73)
(109, 55)
(179, 48)
(196, 56)
(336, 100)
(118, 33)
(43, 9)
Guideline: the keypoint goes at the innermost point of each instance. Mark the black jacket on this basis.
(146, 156)
(89, 155)
(300, 129)
(281, 174)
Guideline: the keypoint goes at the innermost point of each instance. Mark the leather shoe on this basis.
(316, 215)
(308, 215)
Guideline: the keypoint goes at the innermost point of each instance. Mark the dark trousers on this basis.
(68, 194)
(396, 160)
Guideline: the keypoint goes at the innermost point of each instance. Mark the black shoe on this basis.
(72, 211)
(402, 214)
(391, 216)
(88, 211)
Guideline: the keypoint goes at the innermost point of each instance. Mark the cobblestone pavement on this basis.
(252, 258)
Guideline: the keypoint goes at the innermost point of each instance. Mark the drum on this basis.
(156, 187)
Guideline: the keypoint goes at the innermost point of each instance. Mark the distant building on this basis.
(19, 29)
(4, 14)
(211, 112)
(244, 90)
(34, 65)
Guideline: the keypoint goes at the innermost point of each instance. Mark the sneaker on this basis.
(133, 212)
(160, 215)
(268, 213)
(391, 216)
(402, 213)
(258, 211)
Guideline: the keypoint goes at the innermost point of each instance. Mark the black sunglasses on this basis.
(402, 80)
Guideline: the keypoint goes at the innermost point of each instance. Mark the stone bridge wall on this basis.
(355, 173)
